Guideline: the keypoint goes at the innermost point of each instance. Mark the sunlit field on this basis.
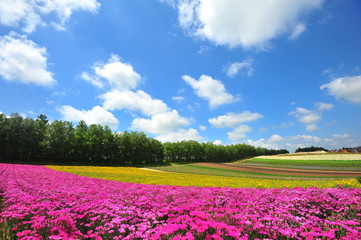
(137, 175)
(332, 162)
(325, 156)
(40, 203)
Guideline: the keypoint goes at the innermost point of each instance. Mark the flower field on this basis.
(326, 156)
(40, 203)
(136, 175)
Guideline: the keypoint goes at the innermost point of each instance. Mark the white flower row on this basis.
(331, 156)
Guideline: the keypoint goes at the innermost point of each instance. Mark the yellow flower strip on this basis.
(137, 175)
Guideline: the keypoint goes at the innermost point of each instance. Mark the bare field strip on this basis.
(279, 171)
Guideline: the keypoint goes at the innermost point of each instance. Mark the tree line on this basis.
(311, 149)
(60, 142)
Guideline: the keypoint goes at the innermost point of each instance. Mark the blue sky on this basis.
(274, 74)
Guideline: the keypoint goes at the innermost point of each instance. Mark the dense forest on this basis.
(59, 142)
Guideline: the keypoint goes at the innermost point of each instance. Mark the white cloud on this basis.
(217, 142)
(97, 115)
(276, 138)
(246, 23)
(297, 30)
(323, 106)
(23, 61)
(348, 88)
(239, 133)
(291, 143)
(117, 74)
(28, 14)
(328, 71)
(134, 101)
(345, 135)
(178, 98)
(310, 118)
(94, 80)
(312, 128)
(233, 119)
(234, 68)
(172, 3)
(307, 117)
(180, 135)
(203, 128)
(13, 12)
(211, 90)
(161, 123)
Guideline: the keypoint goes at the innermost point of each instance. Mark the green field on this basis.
(202, 170)
(194, 169)
(334, 165)
(334, 162)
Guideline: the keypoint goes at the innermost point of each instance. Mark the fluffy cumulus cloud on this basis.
(117, 74)
(97, 115)
(28, 14)
(234, 68)
(23, 61)
(347, 88)
(307, 117)
(311, 117)
(211, 90)
(134, 101)
(162, 123)
(239, 133)
(233, 119)
(291, 143)
(180, 135)
(246, 23)
(121, 78)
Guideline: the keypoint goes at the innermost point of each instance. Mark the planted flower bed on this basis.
(40, 203)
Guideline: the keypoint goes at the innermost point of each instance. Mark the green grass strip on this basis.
(203, 170)
(318, 163)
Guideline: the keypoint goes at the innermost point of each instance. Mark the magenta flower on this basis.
(40, 203)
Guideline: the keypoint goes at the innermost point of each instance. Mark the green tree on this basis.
(58, 141)
(3, 136)
(80, 148)
(109, 146)
(14, 133)
(95, 144)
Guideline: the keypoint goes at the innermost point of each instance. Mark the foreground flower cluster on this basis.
(40, 203)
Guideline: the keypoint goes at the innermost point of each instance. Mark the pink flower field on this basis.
(40, 203)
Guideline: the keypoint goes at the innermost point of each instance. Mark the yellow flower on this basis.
(138, 175)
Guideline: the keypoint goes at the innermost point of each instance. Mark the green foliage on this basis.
(59, 142)
(193, 151)
(311, 149)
